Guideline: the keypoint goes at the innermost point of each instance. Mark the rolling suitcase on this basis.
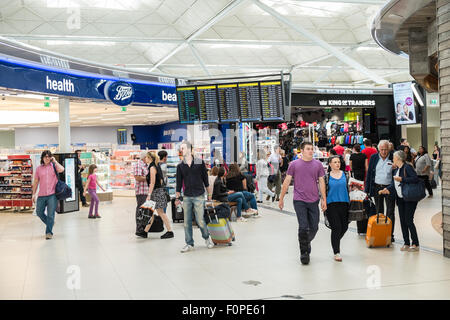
(176, 216)
(379, 231)
(219, 229)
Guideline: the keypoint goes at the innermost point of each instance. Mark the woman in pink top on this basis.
(46, 178)
(91, 185)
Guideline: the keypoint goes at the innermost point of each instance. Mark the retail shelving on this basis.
(16, 173)
(102, 161)
(121, 169)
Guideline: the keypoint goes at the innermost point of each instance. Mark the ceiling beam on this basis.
(224, 12)
(333, 50)
(199, 59)
(370, 2)
(231, 42)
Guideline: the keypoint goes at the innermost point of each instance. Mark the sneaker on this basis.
(97, 216)
(142, 234)
(337, 257)
(187, 248)
(48, 236)
(404, 248)
(167, 235)
(259, 201)
(91, 217)
(273, 199)
(304, 258)
(241, 219)
(209, 243)
(253, 211)
(85, 205)
(256, 216)
(413, 249)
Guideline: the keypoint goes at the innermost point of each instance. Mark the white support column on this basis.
(64, 125)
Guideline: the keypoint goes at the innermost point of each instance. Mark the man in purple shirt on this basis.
(306, 172)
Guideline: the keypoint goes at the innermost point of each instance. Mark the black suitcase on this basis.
(176, 216)
(370, 210)
(179, 216)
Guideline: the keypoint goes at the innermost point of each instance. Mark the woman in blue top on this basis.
(337, 204)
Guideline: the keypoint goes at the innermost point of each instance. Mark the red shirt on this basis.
(369, 151)
(339, 150)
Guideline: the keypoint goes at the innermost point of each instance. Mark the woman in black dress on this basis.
(358, 163)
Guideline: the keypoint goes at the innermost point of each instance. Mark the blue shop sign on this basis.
(43, 79)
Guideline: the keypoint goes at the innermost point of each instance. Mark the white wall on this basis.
(33, 136)
(7, 139)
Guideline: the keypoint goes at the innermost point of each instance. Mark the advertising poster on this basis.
(70, 176)
(405, 112)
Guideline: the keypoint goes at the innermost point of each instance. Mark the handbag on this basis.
(413, 191)
(62, 190)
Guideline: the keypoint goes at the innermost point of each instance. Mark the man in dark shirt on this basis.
(192, 174)
(78, 181)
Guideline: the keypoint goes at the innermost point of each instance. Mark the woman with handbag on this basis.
(402, 178)
(337, 204)
(157, 192)
(46, 178)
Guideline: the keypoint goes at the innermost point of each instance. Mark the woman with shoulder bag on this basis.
(157, 192)
(47, 179)
(404, 175)
(337, 204)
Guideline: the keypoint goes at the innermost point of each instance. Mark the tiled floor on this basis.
(113, 264)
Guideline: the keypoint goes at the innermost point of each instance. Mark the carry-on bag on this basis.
(219, 229)
(379, 231)
(177, 213)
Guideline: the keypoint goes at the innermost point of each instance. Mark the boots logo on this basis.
(119, 92)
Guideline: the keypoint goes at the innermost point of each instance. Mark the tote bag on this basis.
(413, 191)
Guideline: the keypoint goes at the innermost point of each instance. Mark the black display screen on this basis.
(188, 109)
(228, 102)
(272, 100)
(250, 102)
(207, 103)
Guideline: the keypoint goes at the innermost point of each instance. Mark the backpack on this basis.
(250, 185)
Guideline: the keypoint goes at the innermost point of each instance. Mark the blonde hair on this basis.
(152, 155)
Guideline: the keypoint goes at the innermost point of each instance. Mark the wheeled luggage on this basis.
(177, 216)
(219, 229)
(379, 231)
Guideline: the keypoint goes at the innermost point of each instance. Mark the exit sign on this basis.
(124, 108)
(47, 104)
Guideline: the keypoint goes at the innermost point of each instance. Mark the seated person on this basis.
(222, 194)
(235, 181)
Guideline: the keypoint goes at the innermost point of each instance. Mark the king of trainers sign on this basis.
(44, 79)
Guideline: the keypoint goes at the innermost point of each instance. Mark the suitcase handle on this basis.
(378, 211)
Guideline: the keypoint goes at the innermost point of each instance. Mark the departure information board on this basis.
(272, 100)
(250, 101)
(207, 103)
(188, 110)
(233, 102)
(228, 102)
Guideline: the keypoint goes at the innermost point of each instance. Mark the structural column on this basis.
(443, 25)
(64, 125)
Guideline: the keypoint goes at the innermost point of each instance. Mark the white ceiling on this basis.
(326, 43)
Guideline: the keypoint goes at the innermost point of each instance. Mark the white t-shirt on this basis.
(397, 185)
(347, 159)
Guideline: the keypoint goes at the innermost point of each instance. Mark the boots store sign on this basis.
(45, 79)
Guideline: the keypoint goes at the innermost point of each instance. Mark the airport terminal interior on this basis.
(105, 104)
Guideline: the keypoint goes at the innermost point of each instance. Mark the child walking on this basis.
(91, 185)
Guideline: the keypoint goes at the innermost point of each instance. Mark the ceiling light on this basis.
(128, 5)
(27, 117)
(234, 45)
(85, 43)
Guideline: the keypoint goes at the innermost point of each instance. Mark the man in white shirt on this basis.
(275, 160)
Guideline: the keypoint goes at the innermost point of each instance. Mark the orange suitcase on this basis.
(379, 231)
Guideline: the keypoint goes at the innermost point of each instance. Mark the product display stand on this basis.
(172, 161)
(16, 183)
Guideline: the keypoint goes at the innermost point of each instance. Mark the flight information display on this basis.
(272, 100)
(188, 110)
(232, 102)
(207, 103)
(228, 102)
(250, 101)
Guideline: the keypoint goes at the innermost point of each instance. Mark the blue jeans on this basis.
(250, 197)
(50, 202)
(239, 198)
(198, 205)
